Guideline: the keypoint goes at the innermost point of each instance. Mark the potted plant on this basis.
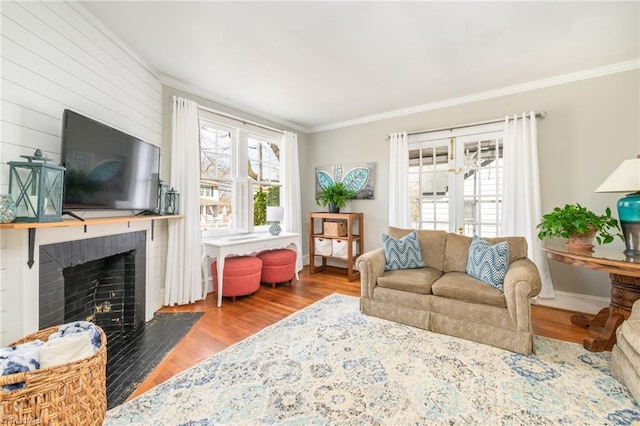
(335, 195)
(579, 225)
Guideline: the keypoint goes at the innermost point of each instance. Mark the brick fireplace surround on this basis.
(20, 296)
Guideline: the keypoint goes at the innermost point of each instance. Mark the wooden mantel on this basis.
(32, 226)
(87, 221)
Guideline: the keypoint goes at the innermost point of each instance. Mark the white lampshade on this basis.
(275, 214)
(626, 178)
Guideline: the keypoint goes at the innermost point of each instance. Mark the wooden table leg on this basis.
(606, 318)
(599, 320)
(624, 292)
(607, 337)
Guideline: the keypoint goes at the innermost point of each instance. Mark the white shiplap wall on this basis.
(55, 55)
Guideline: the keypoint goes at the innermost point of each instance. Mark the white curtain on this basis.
(521, 211)
(183, 283)
(399, 180)
(291, 200)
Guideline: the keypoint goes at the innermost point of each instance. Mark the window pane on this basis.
(263, 196)
(264, 160)
(264, 167)
(215, 153)
(433, 170)
(215, 205)
(215, 178)
(483, 167)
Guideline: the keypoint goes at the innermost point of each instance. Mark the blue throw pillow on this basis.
(488, 263)
(403, 253)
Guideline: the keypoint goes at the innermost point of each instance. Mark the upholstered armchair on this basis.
(625, 356)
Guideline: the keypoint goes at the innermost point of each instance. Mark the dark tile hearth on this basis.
(131, 356)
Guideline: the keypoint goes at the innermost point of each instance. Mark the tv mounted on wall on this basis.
(105, 168)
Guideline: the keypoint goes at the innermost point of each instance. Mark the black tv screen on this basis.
(106, 168)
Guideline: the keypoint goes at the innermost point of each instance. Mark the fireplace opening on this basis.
(102, 291)
(98, 279)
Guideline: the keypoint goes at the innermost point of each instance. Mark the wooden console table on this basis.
(624, 272)
(220, 247)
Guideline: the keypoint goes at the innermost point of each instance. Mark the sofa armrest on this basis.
(371, 266)
(524, 270)
(521, 283)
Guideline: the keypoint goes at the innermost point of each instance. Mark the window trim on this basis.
(240, 134)
(433, 139)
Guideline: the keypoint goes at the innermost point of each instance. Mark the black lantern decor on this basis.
(172, 202)
(36, 188)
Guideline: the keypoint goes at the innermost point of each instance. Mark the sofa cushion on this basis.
(488, 263)
(631, 330)
(457, 250)
(432, 244)
(460, 286)
(402, 253)
(412, 280)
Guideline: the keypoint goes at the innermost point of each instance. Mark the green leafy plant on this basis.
(574, 218)
(260, 208)
(262, 199)
(337, 194)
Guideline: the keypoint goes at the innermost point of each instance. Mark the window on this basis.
(455, 180)
(216, 177)
(239, 174)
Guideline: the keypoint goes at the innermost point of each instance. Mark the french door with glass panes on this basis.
(455, 182)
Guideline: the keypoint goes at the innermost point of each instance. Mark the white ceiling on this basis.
(316, 64)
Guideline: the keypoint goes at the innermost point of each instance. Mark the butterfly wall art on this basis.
(357, 177)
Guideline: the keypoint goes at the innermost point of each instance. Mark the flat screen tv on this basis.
(105, 168)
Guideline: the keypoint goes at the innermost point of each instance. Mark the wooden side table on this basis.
(624, 272)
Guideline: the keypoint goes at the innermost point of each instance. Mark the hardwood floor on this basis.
(221, 327)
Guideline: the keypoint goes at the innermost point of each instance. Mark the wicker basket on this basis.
(67, 394)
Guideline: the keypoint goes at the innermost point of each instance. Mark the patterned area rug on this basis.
(329, 364)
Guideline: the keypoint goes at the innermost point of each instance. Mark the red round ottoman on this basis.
(278, 266)
(241, 276)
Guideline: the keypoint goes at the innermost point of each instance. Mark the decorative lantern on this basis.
(172, 202)
(162, 193)
(36, 188)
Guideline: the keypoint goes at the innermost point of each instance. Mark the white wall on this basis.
(591, 126)
(55, 56)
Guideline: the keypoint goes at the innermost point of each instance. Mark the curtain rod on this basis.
(242, 120)
(541, 114)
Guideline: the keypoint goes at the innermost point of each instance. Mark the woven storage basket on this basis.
(68, 394)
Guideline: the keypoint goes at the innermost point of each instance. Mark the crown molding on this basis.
(114, 38)
(519, 88)
(510, 90)
(198, 91)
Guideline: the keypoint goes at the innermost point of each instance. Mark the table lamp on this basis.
(626, 178)
(275, 216)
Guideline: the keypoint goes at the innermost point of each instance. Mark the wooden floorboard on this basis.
(219, 328)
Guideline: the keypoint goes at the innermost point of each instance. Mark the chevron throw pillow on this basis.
(488, 263)
(403, 253)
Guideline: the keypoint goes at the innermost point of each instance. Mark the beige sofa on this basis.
(441, 297)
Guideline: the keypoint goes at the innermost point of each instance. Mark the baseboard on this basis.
(338, 264)
(575, 302)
